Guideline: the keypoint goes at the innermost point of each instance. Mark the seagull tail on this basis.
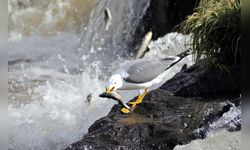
(181, 56)
(185, 53)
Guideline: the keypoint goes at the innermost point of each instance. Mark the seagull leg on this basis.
(139, 99)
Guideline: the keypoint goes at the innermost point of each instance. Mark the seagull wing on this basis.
(146, 70)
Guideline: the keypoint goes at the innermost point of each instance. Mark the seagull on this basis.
(142, 74)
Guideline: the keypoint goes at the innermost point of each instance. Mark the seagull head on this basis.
(115, 82)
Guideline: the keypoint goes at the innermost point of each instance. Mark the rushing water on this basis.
(47, 100)
(55, 62)
(51, 73)
(44, 17)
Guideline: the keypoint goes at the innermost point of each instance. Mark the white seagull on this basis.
(142, 74)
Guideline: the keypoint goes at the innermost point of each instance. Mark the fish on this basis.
(107, 18)
(144, 44)
(115, 96)
(89, 98)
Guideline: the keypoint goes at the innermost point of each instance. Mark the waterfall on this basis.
(105, 45)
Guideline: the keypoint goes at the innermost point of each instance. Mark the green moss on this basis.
(215, 27)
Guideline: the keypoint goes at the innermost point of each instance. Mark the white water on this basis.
(47, 108)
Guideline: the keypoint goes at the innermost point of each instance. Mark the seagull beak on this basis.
(110, 89)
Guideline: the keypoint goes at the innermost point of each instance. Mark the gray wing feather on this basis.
(145, 71)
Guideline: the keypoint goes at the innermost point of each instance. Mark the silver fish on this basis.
(89, 98)
(107, 18)
(116, 97)
(147, 38)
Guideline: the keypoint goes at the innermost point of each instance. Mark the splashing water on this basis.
(47, 107)
(229, 120)
(51, 75)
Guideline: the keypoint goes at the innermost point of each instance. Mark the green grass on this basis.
(216, 32)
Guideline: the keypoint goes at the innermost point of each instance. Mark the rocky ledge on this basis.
(169, 115)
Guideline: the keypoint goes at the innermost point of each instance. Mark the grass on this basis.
(216, 32)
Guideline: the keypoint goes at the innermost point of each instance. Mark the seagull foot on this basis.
(125, 110)
(134, 103)
(138, 101)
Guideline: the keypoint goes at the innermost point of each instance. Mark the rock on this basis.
(162, 120)
(162, 17)
(205, 80)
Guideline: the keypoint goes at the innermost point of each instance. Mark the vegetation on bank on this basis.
(215, 27)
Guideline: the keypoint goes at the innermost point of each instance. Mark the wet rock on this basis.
(163, 120)
(205, 80)
(162, 17)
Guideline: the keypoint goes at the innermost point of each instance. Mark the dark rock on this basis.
(162, 121)
(184, 67)
(162, 17)
(205, 80)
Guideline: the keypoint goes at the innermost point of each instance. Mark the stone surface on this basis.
(160, 122)
(163, 120)
(205, 80)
